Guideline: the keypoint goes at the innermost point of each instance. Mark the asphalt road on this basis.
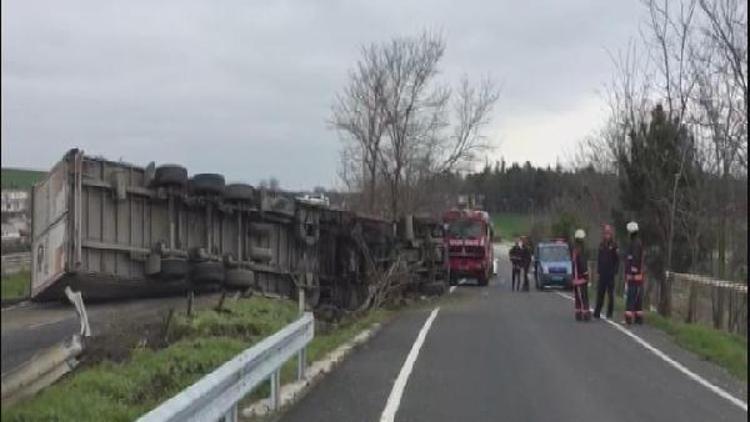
(496, 355)
(28, 328)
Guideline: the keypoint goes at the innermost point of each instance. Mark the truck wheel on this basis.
(261, 254)
(239, 192)
(207, 272)
(239, 279)
(170, 175)
(208, 183)
(173, 268)
(483, 280)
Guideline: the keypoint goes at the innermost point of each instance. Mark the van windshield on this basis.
(465, 229)
(554, 253)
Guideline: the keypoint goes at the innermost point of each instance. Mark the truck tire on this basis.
(173, 268)
(170, 175)
(208, 183)
(207, 272)
(261, 254)
(239, 279)
(239, 192)
(483, 280)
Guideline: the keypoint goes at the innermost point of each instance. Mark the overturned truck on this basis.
(114, 230)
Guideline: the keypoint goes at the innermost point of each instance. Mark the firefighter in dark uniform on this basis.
(525, 261)
(515, 260)
(607, 264)
(580, 277)
(634, 276)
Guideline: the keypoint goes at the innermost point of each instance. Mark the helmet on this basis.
(579, 234)
(632, 227)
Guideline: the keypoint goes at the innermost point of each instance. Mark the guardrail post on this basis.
(301, 364)
(275, 389)
(231, 415)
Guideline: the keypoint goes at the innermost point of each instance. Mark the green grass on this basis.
(20, 178)
(122, 392)
(511, 225)
(15, 286)
(726, 350)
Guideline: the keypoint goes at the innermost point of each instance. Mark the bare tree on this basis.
(397, 115)
(472, 107)
(358, 113)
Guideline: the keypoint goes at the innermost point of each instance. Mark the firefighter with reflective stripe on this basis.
(580, 277)
(634, 276)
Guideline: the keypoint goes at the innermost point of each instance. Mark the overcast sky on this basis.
(245, 87)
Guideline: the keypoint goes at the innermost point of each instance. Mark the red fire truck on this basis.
(468, 240)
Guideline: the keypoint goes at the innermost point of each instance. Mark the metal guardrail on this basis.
(708, 281)
(47, 366)
(215, 396)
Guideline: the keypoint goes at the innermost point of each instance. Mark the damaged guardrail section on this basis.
(42, 370)
(215, 396)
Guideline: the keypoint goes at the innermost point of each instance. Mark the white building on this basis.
(14, 200)
(10, 232)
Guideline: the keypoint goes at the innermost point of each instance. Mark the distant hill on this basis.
(20, 178)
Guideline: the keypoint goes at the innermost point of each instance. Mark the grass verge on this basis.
(123, 391)
(15, 286)
(725, 349)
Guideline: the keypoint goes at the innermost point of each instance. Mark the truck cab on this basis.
(552, 264)
(468, 240)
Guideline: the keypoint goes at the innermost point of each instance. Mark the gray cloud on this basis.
(245, 88)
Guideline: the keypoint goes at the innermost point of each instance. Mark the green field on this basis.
(15, 286)
(20, 178)
(510, 225)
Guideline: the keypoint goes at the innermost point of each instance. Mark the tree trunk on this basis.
(723, 224)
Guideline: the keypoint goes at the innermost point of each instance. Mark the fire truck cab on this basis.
(468, 240)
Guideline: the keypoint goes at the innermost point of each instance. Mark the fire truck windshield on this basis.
(465, 229)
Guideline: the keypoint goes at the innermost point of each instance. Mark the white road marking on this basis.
(460, 282)
(394, 399)
(680, 367)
